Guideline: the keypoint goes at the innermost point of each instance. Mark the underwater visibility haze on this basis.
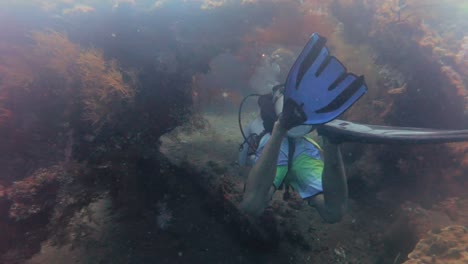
(119, 130)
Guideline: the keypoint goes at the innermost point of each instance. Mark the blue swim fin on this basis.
(321, 84)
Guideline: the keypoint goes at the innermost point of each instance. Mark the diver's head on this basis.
(278, 101)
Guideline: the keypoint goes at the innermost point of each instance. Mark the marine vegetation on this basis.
(51, 88)
(119, 140)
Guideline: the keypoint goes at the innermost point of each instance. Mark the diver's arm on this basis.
(262, 174)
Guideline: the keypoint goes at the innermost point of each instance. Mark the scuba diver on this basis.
(322, 185)
(317, 90)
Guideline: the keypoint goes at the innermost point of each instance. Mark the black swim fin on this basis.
(321, 84)
(344, 131)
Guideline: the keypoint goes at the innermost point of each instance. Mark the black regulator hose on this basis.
(239, 117)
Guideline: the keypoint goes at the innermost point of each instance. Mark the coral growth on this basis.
(34, 194)
(413, 223)
(25, 207)
(102, 84)
(52, 92)
(409, 37)
(60, 70)
(461, 58)
(442, 246)
(76, 9)
(455, 79)
(267, 47)
(459, 152)
(212, 4)
(38, 205)
(420, 83)
(54, 51)
(15, 70)
(287, 29)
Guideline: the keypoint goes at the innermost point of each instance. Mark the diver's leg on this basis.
(332, 204)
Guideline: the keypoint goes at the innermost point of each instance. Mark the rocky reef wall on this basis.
(419, 60)
(419, 77)
(412, 53)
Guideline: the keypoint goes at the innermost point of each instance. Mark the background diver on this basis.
(317, 90)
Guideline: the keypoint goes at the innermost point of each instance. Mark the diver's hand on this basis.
(292, 114)
(278, 129)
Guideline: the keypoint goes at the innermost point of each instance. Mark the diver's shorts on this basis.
(306, 176)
